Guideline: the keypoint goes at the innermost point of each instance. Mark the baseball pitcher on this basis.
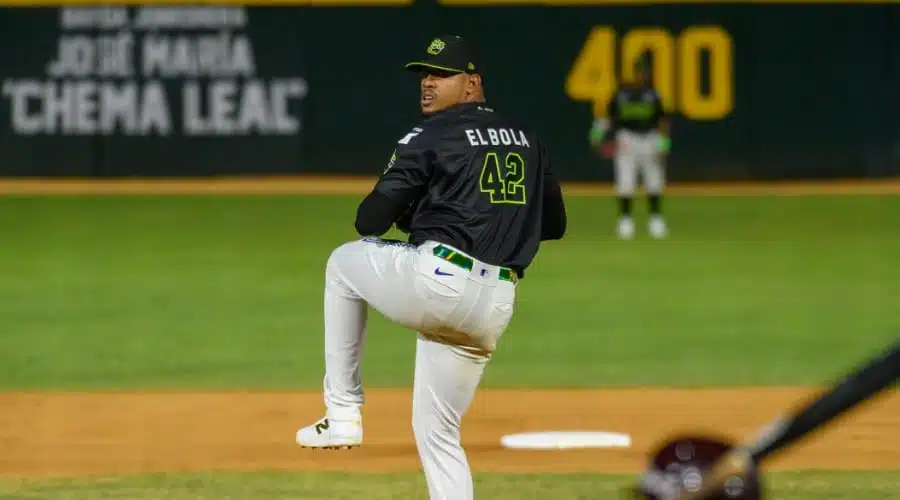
(635, 131)
(476, 193)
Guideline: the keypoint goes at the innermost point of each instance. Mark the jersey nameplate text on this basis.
(497, 137)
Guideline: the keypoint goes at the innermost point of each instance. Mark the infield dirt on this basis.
(73, 434)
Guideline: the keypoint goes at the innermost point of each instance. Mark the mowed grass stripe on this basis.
(818, 485)
(206, 292)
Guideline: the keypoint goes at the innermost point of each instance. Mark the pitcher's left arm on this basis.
(401, 185)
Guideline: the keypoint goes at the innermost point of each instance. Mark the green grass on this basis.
(204, 292)
(332, 486)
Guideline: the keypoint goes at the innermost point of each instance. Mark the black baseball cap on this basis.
(448, 53)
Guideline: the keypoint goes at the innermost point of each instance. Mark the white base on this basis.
(563, 440)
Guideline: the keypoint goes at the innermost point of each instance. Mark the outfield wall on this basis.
(759, 91)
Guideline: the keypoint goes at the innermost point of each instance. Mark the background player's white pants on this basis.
(638, 154)
(459, 318)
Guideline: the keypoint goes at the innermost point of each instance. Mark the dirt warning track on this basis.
(318, 185)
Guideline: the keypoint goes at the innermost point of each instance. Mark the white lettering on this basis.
(81, 56)
(57, 107)
(75, 57)
(242, 109)
(121, 106)
(512, 135)
(191, 17)
(255, 111)
(115, 55)
(91, 87)
(155, 111)
(93, 17)
(470, 134)
(222, 107)
(492, 135)
(20, 92)
(242, 61)
(282, 93)
(524, 140)
(154, 53)
(193, 113)
(496, 137)
(205, 55)
(86, 107)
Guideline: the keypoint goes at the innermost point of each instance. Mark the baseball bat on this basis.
(861, 384)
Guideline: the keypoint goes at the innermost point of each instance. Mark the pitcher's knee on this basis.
(334, 278)
(342, 253)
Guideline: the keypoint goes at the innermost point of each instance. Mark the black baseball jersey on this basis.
(637, 109)
(476, 181)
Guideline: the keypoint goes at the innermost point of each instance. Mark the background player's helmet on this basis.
(643, 66)
(681, 460)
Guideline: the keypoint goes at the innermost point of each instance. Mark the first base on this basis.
(565, 440)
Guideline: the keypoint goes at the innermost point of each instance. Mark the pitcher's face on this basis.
(443, 89)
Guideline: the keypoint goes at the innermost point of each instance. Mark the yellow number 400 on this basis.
(504, 185)
(593, 74)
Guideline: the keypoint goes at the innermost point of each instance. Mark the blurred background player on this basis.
(635, 132)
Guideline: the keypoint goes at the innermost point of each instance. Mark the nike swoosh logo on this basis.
(438, 271)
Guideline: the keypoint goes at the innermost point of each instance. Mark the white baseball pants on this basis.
(638, 154)
(459, 314)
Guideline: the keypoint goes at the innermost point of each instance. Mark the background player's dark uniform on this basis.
(477, 181)
(637, 126)
(636, 108)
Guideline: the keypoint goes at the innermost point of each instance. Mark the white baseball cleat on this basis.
(330, 434)
(658, 227)
(626, 228)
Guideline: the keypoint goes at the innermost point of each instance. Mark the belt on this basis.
(465, 262)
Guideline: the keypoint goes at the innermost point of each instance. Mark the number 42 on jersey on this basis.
(504, 183)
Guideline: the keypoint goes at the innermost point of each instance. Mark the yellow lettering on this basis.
(592, 77)
(720, 100)
(678, 71)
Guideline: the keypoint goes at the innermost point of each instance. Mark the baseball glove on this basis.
(607, 149)
(610, 148)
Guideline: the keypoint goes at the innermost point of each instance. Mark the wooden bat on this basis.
(859, 385)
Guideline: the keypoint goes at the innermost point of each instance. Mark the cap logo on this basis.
(471, 67)
(437, 45)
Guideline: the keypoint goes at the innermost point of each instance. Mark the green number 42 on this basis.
(504, 183)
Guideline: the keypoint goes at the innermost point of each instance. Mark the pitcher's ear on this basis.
(474, 81)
